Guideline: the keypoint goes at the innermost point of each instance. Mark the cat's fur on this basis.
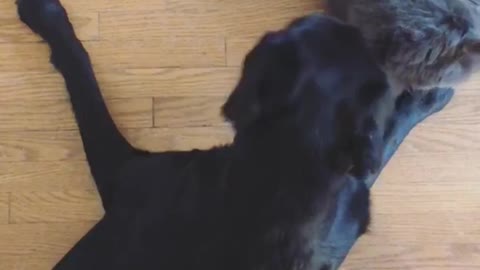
(421, 44)
(310, 114)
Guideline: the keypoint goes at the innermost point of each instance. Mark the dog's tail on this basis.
(338, 8)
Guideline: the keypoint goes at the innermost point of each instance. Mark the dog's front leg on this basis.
(411, 108)
(106, 149)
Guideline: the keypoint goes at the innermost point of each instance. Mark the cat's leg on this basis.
(411, 108)
(105, 147)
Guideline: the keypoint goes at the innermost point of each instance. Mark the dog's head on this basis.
(316, 74)
(315, 56)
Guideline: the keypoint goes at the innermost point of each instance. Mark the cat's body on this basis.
(421, 44)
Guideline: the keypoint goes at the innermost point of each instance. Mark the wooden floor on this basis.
(166, 67)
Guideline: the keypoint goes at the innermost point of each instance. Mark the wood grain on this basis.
(65, 144)
(237, 49)
(176, 6)
(58, 145)
(4, 207)
(124, 83)
(57, 114)
(111, 55)
(55, 206)
(223, 21)
(171, 64)
(157, 53)
(14, 31)
(381, 254)
(37, 246)
(188, 111)
(400, 227)
(43, 176)
(26, 146)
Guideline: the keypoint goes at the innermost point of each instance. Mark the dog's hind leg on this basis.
(105, 147)
(411, 108)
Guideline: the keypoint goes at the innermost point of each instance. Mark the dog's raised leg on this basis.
(411, 108)
(106, 149)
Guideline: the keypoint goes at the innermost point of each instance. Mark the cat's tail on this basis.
(338, 8)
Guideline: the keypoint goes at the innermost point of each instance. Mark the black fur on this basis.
(291, 192)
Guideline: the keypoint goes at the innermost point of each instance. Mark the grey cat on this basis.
(421, 44)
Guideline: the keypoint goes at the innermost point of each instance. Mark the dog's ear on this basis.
(268, 80)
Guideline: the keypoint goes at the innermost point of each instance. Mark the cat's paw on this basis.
(44, 17)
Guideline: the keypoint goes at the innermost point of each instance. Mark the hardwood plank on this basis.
(424, 228)
(154, 23)
(177, 82)
(435, 135)
(463, 110)
(12, 30)
(471, 86)
(111, 55)
(66, 145)
(57, 114)
(428, 168)
(25, 56)
(44, 176)
(73, 174)
(128, 83)
(454, 128)
(429, 184)
(37, 246)
(381, 254)
(237, 49)
(38, 261)
(164, 139)
(188, 111)
(4, 206)
(74, 6)
(412, 241)
(55, 206)
(430, 198)
(157, 53)
(40, 146)
(172, 6)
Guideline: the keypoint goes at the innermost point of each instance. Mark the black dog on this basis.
(315, 121)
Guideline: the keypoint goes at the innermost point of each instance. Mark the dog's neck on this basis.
(286, 143)
(276, 180)
(280, 159)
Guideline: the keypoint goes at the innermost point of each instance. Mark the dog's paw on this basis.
(44, 17)
(367, 146)
(359, 142)
(423, 101)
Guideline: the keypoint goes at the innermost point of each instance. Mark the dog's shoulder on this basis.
(158, 179)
